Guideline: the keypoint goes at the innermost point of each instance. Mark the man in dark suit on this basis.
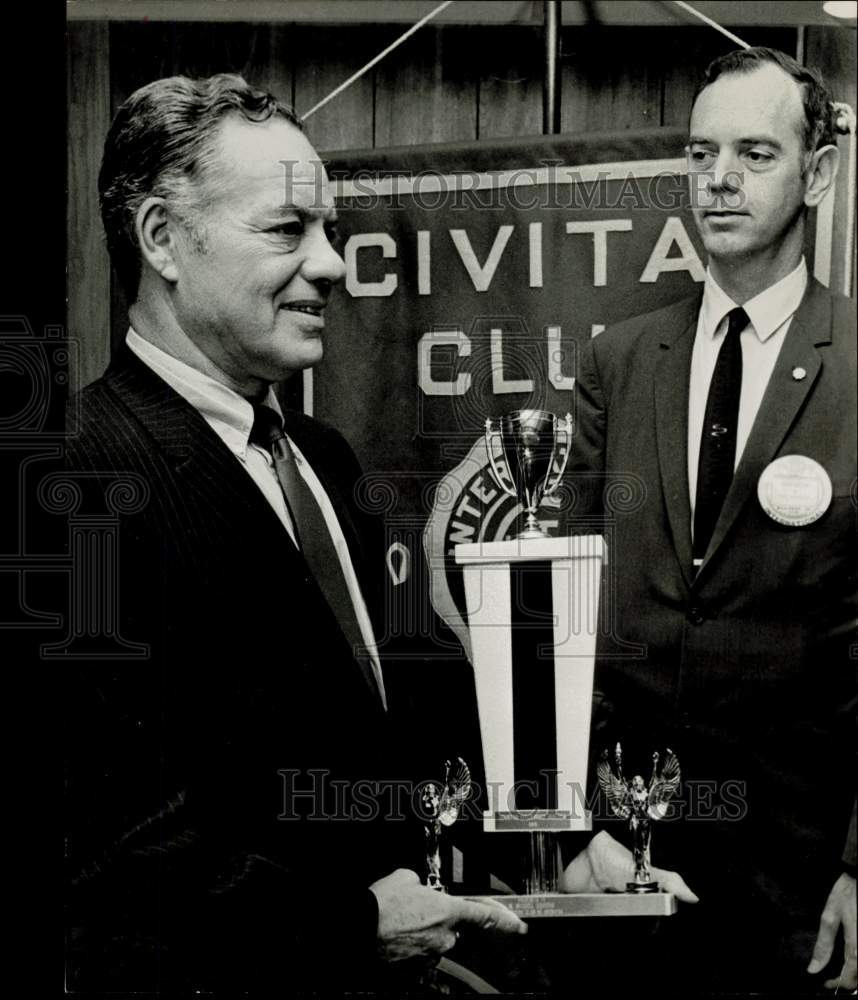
(736, 572)
(232, 812)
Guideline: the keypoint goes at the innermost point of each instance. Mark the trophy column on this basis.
(535, 715)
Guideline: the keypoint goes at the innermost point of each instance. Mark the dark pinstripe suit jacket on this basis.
(190, 865)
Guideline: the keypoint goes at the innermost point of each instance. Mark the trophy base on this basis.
(642, 887)
(588, 904)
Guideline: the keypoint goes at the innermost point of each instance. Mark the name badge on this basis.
(794, 490)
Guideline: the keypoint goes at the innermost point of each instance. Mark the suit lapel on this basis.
(782, 402)
(671, 420)
(203, 464)
(199, 458)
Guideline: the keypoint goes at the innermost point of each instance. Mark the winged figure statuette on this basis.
(639, 803)
(441, 805)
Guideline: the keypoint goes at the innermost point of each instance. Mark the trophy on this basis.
(441, 808)
(528, 445)
(639, 803)
(533, 617)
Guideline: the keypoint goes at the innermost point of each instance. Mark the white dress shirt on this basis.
(770, 314)
(230, 416)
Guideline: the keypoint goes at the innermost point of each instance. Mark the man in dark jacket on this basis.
(736, 571)
(232, 816)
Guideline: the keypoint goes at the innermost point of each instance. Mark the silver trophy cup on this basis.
(529, 451)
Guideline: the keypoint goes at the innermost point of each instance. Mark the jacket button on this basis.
(695, 616)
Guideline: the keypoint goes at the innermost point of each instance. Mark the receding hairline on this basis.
(750, 71)
(219, 158)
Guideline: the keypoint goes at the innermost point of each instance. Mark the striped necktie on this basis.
(314, 538)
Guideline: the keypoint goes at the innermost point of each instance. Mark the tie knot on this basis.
(267, 426)
(737, 320)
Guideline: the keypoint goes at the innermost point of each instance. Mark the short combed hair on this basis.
(818, 129)
(161, 144)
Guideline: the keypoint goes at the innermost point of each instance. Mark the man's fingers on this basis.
(821, 955)
(847, 980)
(406, 876)
(490, 901)
(489, 915)
(675, 883)
(448, 942)
(828, 925)
(578, 876)
(400, 878)
(839, 912)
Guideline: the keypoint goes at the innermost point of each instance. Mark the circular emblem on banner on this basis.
(794, 490)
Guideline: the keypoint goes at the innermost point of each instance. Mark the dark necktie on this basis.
(718, 441)
(314, 538)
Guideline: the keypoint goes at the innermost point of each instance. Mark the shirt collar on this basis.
(767, 311)
(228, 412)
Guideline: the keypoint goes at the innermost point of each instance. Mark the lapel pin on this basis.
(799, 373)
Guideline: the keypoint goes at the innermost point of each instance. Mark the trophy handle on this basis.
(493, 469)
(566, 430)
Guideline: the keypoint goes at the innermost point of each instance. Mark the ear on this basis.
(156, 238)
(820, 175)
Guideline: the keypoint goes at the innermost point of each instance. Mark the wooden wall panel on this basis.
(426, 91)
(510, 82)
(144, 51)
(88, 315)
(609, 79)
(323, 59)
(271, 65)
(833, 51)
